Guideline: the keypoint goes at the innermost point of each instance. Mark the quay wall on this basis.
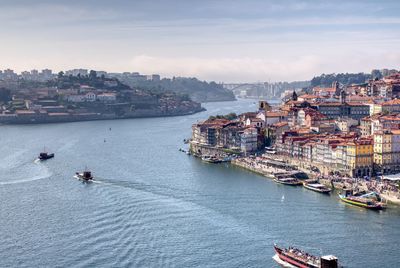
(202, 149)
(238, 163)
(45, 119)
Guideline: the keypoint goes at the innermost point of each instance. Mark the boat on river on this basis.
(45, 155)
(294, 257)
(85, 176)
(317, 187)
(211, 159)
(288, 181)
(361, 201)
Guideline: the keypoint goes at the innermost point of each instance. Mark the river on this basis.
(153, 206)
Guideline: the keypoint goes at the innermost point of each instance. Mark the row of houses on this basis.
(106, 97)
(387, 87)
(345, 153)
(225, 134)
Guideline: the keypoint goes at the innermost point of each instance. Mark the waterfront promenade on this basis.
(261, 165)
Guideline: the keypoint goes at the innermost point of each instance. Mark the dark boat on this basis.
(85, 176)
(45, 155)
(294, 257)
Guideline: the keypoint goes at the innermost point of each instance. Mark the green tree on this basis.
(92, 75)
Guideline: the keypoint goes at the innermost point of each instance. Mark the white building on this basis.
(90, 96)
(76, 98)
(107, 97)
(248, 140)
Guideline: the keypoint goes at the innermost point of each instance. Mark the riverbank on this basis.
(268, 168)
(14, 119)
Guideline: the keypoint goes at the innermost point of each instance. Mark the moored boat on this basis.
(211, 159)
(317, 187)
(288, 181)
(293, 257)
(361, 201)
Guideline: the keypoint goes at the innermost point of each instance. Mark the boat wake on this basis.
(45, 173)
(35, 178)
(281, 262)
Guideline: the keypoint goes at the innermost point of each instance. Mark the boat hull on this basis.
(322, 191)
(80, 177)
(360, 204)
(292, 261)
(287, 183)
(42, 157)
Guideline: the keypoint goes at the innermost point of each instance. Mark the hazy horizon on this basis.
(224, 41)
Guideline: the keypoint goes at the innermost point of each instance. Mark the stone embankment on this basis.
(65, 117)
(387, 190)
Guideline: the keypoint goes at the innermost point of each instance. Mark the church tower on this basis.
(336, 86)
(343, 96)
(264, 106)
(294, 96)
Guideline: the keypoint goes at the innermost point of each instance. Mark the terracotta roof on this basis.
(308, 96)
(354, 103)
(256, 119)
(280, 124)
(324, 89)
(249, 114)
(328, 104)
(391, 102)
(275, 114)
(395, 131)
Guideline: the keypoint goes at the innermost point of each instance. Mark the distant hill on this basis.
(326, 80)
(199, 91)
(349, 78)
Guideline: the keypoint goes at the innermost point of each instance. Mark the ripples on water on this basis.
(153, 206)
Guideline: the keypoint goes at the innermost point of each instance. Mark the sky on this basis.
(219, 40)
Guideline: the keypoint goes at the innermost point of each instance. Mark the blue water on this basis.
(154, 206)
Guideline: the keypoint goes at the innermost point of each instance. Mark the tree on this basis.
(5, 94)
(60, 74)
(376, 74)
(92, 75)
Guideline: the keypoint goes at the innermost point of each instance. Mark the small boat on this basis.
(317, 187)
(294, 257)
(288, 181)
(211, 159)
(45, 155)
(361, 201)
(85, 176)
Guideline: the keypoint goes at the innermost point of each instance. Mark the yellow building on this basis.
(359, 157)
(375, 109)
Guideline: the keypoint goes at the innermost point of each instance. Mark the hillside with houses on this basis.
(66, 98)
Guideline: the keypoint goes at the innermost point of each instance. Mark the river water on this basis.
(154, 206)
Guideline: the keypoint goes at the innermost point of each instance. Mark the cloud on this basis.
(228, 69)
(247, 69)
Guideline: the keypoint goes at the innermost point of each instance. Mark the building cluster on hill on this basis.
(78, 97)
(348, 130)
(47, 74)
